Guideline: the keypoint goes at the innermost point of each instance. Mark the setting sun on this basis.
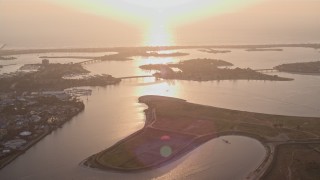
(159, 89)
(148, 10)
(157, 19)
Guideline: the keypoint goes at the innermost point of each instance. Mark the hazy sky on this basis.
(81, 23)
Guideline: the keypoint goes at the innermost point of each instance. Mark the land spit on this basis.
(175, 127)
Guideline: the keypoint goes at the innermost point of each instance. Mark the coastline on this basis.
(28, 146)
(154, 48)
(14, 156)
(186, 150)
(269, 143)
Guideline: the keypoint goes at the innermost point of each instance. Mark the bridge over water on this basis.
(132, 77)
(266, 70)
(92, 61)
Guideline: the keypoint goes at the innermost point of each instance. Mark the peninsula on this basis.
(207, 70)
(175, 127)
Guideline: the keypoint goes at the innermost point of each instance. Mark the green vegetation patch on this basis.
(177, 127)
(296, 162)
(142, 150)
(263, 131)
(224, 119)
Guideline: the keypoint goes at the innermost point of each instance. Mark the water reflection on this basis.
(139, 61)
(113, 113)
(156, 60)
(163, 88)
(159, 34)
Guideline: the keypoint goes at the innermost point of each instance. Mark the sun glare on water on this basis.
(164, 88)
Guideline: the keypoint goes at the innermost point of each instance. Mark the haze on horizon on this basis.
(101, 23)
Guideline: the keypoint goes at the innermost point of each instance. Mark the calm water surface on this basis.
(113, 113)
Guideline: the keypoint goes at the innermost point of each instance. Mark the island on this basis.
(124, 55)
(207, 70)
(264, 49)
(10, 52)
(7, 58)
(175, 127)
(49, 77)
(301, 67)
(214, 51)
